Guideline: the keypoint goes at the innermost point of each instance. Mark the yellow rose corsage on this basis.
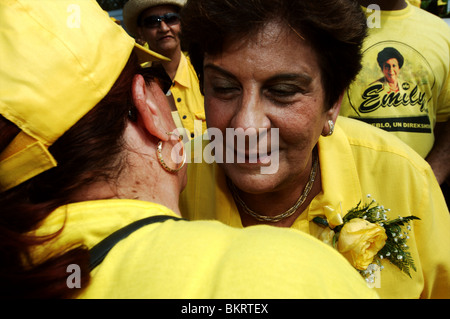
(365, 237)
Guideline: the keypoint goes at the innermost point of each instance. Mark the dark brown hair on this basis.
(334, 28)
(389, 53)
(90, 151)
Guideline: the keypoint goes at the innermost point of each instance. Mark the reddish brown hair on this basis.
(90, 151)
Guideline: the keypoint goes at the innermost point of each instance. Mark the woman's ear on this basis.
(148, 109)
(331, 117)
(334, 111)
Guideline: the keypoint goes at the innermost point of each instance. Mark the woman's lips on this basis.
(252, 157)
(167, 37)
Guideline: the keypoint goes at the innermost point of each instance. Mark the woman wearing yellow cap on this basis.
(91, 168)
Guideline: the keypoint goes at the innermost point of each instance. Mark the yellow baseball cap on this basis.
(59, 59)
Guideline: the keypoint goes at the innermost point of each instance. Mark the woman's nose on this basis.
(251, 113)
(163, 26)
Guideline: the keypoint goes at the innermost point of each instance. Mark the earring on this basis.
(331, 125)
(132, 114)
(161, 160)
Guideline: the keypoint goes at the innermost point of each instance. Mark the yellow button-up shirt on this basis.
(188, 99)
(357, 160)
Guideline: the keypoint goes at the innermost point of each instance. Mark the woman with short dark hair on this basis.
(273, 74)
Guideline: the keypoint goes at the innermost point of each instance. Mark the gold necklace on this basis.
(290, 211)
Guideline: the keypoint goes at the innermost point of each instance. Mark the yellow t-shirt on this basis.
(355, 161)
(188, 99)
(190, 260)
(422, 70)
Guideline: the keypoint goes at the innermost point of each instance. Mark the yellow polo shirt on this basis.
(181, 259)
(188, 99)
(355, 161)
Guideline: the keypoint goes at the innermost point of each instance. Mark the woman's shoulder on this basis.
(367, 138)
(229, 262)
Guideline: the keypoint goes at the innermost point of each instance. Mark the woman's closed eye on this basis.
(225, 89)
(284, 90)
(283, 93)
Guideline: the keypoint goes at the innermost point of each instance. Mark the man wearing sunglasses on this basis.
(157, 23)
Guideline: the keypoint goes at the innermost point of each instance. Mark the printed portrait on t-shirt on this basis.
(393, 89)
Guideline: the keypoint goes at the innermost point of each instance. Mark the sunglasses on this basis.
(152, 22)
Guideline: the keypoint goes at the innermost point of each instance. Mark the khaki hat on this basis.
(133, 8)
(59, 59)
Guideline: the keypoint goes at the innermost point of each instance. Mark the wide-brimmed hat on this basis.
(133, 8)
(59, 59)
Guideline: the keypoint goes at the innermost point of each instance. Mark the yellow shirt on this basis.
(188, 99)
(181, 259)
(355, 161)
(416, 3)
(423, 96)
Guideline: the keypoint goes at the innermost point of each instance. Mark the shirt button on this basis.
(184, 117)
(192, 135)
(179, 99)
